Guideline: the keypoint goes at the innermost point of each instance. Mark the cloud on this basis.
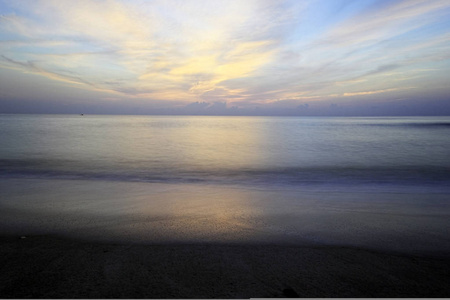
(195, 46)
(380, 23)
(247, 53)
(32, 67)
(372, 92)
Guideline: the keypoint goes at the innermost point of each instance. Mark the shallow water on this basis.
(371, 182)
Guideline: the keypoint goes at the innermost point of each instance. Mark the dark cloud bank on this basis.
(412, 107)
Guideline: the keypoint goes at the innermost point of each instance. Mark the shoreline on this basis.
(48, 266)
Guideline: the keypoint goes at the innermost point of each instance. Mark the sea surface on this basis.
(372, 182)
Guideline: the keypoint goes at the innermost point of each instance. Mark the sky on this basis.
(252, 57)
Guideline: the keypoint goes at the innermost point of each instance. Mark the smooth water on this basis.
(247, 151)
(372, 182)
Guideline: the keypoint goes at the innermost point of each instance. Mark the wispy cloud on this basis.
(252, 52)
(32, 67)
(373, 92)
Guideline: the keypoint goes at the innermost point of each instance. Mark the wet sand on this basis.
(45, 266)
(95, 239)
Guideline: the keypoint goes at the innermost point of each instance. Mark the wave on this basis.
(408, 124)
(294, 175)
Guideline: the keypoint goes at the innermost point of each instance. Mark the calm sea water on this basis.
(361, 181)
(250, 151)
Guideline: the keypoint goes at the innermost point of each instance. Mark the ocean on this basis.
(369, 182)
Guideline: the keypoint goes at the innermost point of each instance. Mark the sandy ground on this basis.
(56, 267)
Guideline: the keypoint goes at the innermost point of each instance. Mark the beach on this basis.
(55, 267)
(191, 241)
(198, 207)
(224, 149)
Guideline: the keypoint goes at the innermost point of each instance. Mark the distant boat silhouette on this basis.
(81, 114)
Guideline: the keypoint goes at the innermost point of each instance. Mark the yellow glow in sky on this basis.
(244, 53)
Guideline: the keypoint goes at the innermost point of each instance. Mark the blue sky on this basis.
(225, 57)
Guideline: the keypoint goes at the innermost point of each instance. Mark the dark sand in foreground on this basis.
(54, 267)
